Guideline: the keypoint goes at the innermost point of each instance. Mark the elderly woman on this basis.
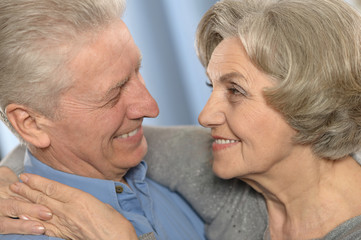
(285, 112)
(285, 116)
(285, 109)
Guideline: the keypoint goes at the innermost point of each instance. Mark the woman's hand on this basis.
(14, 210)
(76, 214)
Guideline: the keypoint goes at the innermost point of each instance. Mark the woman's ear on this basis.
(27, 123)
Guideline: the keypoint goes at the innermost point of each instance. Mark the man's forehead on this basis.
(106, 62)
(111, 45)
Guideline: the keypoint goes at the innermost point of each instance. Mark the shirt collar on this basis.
(104, 190)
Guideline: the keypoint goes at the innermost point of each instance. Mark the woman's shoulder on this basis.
(348, 230)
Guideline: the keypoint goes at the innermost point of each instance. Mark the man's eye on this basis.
(114, 100)
(116, 97)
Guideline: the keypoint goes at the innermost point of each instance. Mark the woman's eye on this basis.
(237, 90)
(209, 84)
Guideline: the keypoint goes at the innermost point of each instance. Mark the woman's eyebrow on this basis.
(232, 75)
(228, 76)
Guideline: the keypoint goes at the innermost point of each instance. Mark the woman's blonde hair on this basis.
(311, 48)
(38, 39)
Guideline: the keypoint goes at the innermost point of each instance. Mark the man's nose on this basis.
(142, 103)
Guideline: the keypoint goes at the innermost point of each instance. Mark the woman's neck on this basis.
(304, 196)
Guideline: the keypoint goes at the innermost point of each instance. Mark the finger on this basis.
(52, 229)
(9, 194)
(18, 226)
(14, 208)
(53, 189)
(34, 196)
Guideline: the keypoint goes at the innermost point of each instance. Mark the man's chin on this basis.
(135, 156)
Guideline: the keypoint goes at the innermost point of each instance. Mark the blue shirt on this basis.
(149, 206)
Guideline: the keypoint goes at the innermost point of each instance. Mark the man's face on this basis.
(99, 133)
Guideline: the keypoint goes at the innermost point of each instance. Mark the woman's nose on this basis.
(212, 114)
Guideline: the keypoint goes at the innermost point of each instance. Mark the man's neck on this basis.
(72, 164)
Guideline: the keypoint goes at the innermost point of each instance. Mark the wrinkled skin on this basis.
(75, 213)
(16, 211)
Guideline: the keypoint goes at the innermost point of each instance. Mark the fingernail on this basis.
(24, 178)
(45, 215)
(24, 217)
(38, 229)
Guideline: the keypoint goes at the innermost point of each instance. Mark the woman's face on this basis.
(250, 136)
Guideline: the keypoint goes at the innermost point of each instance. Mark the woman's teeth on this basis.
(224, 141)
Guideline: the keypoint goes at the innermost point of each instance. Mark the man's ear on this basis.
(28, 125)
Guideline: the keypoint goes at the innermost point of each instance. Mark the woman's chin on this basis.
(221, 172)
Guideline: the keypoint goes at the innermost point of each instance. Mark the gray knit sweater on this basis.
(179, 157)
(231, 209)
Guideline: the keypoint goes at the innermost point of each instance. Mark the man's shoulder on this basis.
(15, 159)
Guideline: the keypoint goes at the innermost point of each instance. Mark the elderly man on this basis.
(70, 88)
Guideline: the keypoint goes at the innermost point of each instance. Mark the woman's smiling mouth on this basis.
(222, 143)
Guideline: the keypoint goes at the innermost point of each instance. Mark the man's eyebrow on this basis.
(121, 83)
(110, 91)
(139, 63)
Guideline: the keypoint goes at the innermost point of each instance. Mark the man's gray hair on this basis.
(38, 39)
